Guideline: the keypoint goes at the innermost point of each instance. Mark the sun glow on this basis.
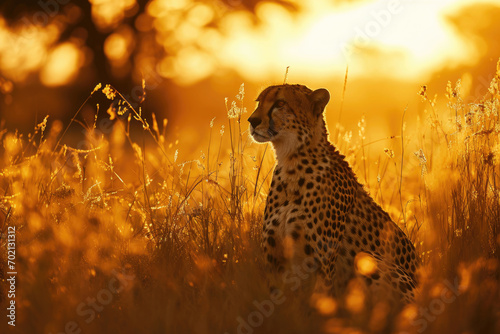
(23, 48)
(401, 39)
(406, 39)
(62, 65)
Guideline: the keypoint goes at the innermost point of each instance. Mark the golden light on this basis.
(108, 14)
(324, 38)
(12, 145)
(118, 46)
(178, 210)
(189, 44)
(365, 264)
(6, 86)
(404, 40)
(325, 304)
(115, 47)
(62, 65)
(465, 277)
(23, 48)
(195, 64)
(204, 263)
(410, 312)
(355, 298)
(200, 15)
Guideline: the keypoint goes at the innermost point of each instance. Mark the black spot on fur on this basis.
(271, 241)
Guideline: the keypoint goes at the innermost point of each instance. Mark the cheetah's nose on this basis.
(254, 121)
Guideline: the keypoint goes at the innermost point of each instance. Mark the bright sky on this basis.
(400, 38)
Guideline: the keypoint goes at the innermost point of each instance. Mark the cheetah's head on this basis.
(287, 114)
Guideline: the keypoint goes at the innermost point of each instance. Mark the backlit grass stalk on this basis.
(190, 235)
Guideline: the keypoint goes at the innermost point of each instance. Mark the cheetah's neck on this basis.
(308, 144)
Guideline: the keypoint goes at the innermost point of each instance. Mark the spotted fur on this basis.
(316, 209)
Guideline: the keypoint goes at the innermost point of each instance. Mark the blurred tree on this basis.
(120, 41)
(97, 21)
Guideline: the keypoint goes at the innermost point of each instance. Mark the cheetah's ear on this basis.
(319, 98)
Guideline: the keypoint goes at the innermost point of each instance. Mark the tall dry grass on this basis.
(120, 235)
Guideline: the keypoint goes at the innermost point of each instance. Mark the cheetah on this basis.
(316, 208)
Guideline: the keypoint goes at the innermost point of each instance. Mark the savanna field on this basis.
(118, 234)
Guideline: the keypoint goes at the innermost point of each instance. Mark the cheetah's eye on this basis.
(280, 103)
